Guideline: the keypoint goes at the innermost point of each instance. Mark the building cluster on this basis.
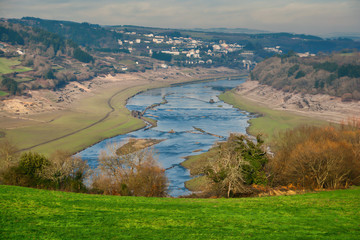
(190, 51)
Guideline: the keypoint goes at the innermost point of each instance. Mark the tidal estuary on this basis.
(189, 108)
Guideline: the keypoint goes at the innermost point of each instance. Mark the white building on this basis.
(158, 40)
(216, 47)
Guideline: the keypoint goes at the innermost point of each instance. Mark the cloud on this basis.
(277, 15)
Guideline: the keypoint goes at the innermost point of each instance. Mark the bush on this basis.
(82, 56)
(235, 166)
(300, 74)
(9, 157)
(317, 158)
(27, 172)
(293, 69)
(129, 173)
(66, 172)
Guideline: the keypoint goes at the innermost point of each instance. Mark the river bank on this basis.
(268, 121)
(188, 122)
(85, 114)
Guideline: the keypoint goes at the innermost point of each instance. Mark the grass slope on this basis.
(2, 93)
(10, 65)
(271, 122)
(86, 112)
(39, 214)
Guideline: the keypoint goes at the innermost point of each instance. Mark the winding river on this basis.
(189, 123)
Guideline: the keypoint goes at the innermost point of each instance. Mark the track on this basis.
(112, 109)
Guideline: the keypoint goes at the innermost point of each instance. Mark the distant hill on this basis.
(337, 74)
(96, 36)
(84, 34)
(231, 30)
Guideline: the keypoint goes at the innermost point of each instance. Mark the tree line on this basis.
(125, 173)
(305, 158)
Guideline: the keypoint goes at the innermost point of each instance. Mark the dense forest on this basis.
(84, 34)
(337, 74)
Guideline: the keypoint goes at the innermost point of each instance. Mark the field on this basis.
(93, 117)
(75, 129)
(10, 65)
(39, 214)
(269, 122)
(2, 93)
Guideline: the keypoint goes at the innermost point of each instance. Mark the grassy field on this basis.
(10, 65)
(39, 214)
(270, 122)
(2, 93)
(85, 113)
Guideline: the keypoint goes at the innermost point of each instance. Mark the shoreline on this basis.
(157, 87)
(263, 121)
(95, 95)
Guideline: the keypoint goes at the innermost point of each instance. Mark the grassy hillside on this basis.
(11, 65)
(39, 214)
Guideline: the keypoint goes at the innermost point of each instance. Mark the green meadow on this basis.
(269, 122)
(79, 127)
(27, 213)
(11, 65)
(2, 93)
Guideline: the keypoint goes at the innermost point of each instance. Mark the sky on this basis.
(306, 16)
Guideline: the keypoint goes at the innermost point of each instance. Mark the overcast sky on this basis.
(306, 16)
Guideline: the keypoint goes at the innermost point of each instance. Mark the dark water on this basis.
(188, 107)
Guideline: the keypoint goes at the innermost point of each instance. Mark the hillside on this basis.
(84, 34)
(40, 214)
(38, 59)
(336, 75)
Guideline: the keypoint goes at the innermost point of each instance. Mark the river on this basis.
(187, 106)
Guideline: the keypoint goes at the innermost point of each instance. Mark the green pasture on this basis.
(270, 122)
(87, 112)
(27, 213)
(2, 93)
(11, 65)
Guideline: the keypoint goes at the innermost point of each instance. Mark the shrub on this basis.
(300, 74)
(317, 157)
(9, 157)
(27, 172)
(130, 173)
(235, 166)
(66, 172)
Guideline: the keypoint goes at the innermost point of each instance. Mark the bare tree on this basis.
(9, 156)
(129, 172)
(65, 169)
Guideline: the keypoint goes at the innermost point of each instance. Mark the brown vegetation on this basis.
(129, 173)
(30, 169)
(336, 75)
(317, 158)
(233, 166)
